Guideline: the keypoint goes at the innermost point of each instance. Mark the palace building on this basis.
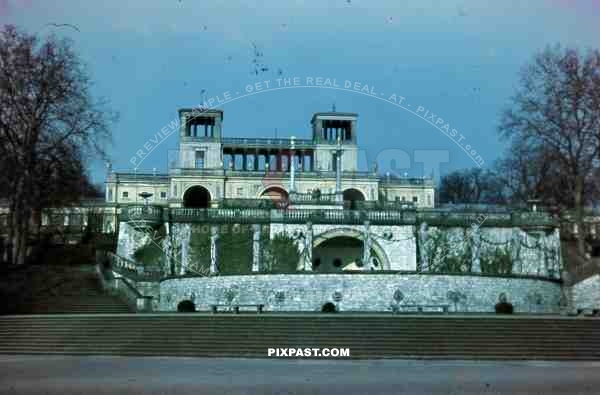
(209, 168)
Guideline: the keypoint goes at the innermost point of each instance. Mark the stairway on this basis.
(66, 290)
(366, 335)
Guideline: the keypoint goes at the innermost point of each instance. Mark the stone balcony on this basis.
(142, 216)
(255, 211)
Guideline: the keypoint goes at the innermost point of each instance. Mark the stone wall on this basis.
(586, 294)
(364, 292)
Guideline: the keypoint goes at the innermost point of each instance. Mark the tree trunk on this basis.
(578, 201)
(19, 236)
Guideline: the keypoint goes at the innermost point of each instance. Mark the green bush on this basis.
(504, 308)
(186, 306)
(328, 308)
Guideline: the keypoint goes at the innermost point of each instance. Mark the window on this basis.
(415, 199)
(429, 200)
(125, 195)
(110, 194)
(403, 198)
(240, 192)
(163, 195)
(199, 160)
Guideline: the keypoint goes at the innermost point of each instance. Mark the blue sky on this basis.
(457, 59)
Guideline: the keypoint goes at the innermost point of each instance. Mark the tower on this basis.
(327, 129)
(200, 138)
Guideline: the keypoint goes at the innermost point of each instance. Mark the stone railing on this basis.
(406, 181)
(266, 142)
(130, 295)
(143, 215)
(120, 263)
(196, 172)
(313, 198)
(257, 211)
(132, 269)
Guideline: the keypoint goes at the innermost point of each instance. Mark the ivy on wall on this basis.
(151, 253)
(281, 254)
(235, 249)
(497, 261)
(199, 250)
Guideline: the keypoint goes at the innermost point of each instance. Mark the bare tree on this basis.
(49, 126)
(472, 185)
(555, 114)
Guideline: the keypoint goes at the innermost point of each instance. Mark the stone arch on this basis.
(196, 196)
(353, 195)
(343, 234)
(276, 194)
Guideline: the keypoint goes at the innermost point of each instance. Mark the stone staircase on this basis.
(249, 335)
(66, 290)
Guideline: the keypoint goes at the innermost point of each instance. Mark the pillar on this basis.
(292, 176)
(422, 239)
(184, 257)
(301, 161)
(217, 128)
(308, 247)
(338, 173)
(367, 245)
(214, 249)
(256, 248)
(278, 164)
(244, 160)
(475, 240)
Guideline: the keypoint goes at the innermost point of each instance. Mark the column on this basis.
(422, 239)
(184, 257)
(256, 247)
(367, 245)
(244, 160)
(338, 173)
(278, 161)
(292, 176)
(475, 240)
(214, 249)
(312, 161)
(308, 244)
(217, 128)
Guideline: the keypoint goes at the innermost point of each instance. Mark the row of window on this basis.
(415, 199)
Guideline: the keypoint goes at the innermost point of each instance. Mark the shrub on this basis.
(186, 306)
(504, 308)
(328, 308)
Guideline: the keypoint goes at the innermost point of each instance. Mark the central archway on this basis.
(196, 197)
(342, 250)
(351, 196)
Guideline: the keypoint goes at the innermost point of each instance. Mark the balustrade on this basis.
(264, 211)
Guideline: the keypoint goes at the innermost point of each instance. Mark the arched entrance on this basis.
(351, 196)
(196, 197)
(338, 251)
(277, 195)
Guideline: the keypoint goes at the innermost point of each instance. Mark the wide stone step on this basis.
(251, 335)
